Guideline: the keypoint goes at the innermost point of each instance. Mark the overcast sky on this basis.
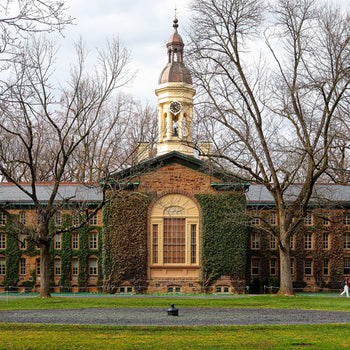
(143, 26)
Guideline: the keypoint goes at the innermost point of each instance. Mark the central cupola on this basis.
(175, 100)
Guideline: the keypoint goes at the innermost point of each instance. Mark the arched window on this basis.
(93, 240)
(174, 231)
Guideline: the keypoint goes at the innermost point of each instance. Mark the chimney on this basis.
(142, 152)
(206, 149)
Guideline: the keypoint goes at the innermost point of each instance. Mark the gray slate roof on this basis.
(323, 193)
(77, 192)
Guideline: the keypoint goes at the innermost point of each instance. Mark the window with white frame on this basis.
(93, 240)
(2, 266)
(346, 241)
(272, 242)
(308, 219)
(58, 218)
(291, 242)
(174, 231)
(2, 219)
(93, 266)
(75, 267)
(22, 266)
(2, 240)
(273, 267)
(57, 240)
(292, 262)
(23, 218)
(57, 266)
(273, 218)
(308, 240)
(75, 240)
(76, 218)
(255, 221)
(255, 240)
(325, 267)
(346, 219)
(93, 220)
(307, 267)
(326, 241)
(346, 266)
(22, 241)
(255, 266)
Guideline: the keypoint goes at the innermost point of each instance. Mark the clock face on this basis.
(175, 107)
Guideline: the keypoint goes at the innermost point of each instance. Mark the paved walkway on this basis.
(187, 316)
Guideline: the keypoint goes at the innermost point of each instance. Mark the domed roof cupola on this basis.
(175, 71)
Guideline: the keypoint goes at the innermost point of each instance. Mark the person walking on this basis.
(346, 287)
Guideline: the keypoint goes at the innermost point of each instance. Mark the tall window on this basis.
(325, 241)
(58, 218)
(155, 243)
(57, 241)
(2, 240)
(22, 266)
(346, 266)
(255, 266)
(93, 243)
(308, 240)
(308, 219)
(307, 267)
(57, 266)
(23, 218)
(273, 266)
(193, 243)
(255, 240)
(22, 241)
(174, 241)
(272, 242)
(38, 267)
(347, 241)
(346, 219)
(75, 240)
(291, 242)
(174, 231)
(292, 262)
(2, 219)
(93, 220)
(93, 266)
(325, 267)
(76, 218)
(2, 266)
(273, 218)
(75, 267)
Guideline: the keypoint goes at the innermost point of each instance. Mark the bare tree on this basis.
(271, 81)
(20, 18)
(42, 127)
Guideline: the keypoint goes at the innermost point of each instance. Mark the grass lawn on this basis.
(35, 336)
(330, 303)
(17, 336)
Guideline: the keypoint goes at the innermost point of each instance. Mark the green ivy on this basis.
(125, 242)
(224, 236)
(12, 255)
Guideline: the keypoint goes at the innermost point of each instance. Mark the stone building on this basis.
(179, 223)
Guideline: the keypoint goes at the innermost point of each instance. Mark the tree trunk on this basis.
(286, 284)
(45, 270)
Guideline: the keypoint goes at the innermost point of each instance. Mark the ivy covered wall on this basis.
(224, 237)
(125, 242)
